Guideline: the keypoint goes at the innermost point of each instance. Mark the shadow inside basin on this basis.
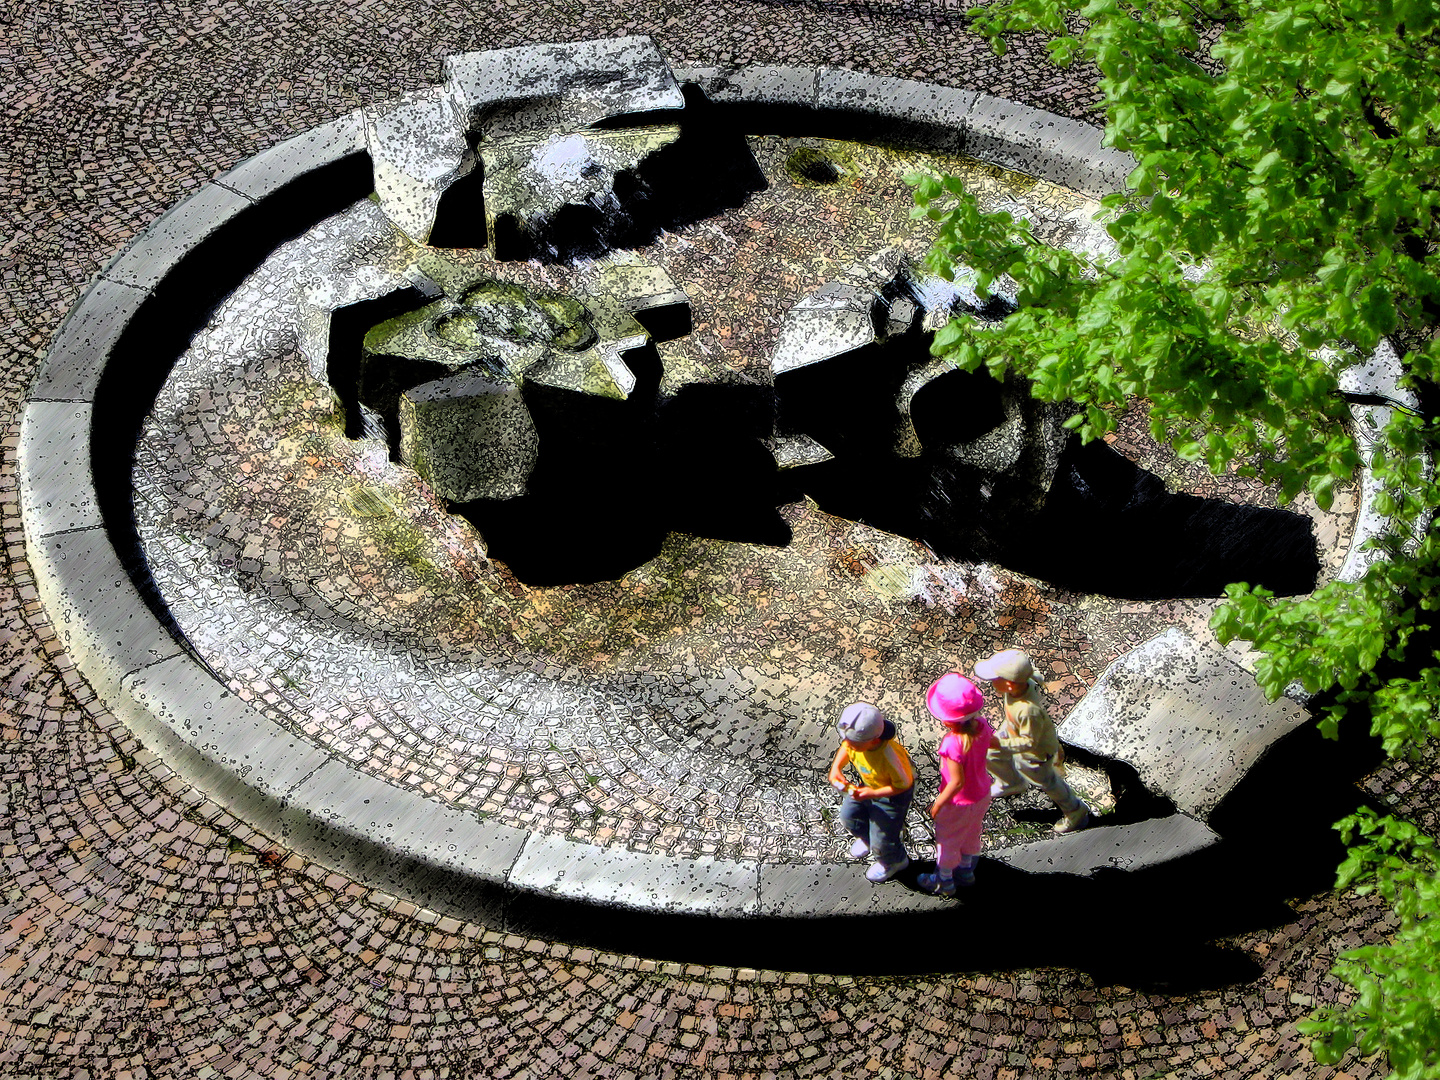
(1106, 526)
(708, 170)
(615, 478)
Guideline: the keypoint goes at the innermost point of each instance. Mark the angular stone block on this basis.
(534, 86)
(272, 169)
(71, 369)
(628, 285)
(599, 371)
(528, 177)
(1190, 720)
(629, 879)
(57, 491)
(509, 333)
(1120, 847)
(154, 253)
(811, 890)
(1378, 374)
(844, 315)
(469, 437)
(833, 320)
(418, 148)
(794, 451)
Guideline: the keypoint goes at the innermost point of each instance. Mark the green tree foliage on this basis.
(1281, 220)
(1395, 984)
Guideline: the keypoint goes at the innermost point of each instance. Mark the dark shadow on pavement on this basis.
(1157, 929)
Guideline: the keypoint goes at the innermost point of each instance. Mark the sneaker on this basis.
(965, 876)
(999, 790)
(1073, 823)
(859, 849)
(879, 872)
(940, 886)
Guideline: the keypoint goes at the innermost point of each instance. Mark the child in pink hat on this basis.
(960, 807)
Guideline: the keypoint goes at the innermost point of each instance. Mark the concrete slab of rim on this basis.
(96, 591)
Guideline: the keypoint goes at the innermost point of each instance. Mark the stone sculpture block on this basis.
(469, 437)
(418, 148)
(1190, 720)
(573, 84)
(529, 177)
(844, 315)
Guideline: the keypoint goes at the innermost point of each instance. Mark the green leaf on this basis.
(1266, 163)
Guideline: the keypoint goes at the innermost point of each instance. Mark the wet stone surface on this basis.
(683, 706)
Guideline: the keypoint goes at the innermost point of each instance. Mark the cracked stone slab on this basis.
(418, 147)
(613, 876)
(577, 83)
(1119, 847)
(1191, 721)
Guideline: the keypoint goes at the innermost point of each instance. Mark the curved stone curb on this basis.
(920, 116)
(291, 790)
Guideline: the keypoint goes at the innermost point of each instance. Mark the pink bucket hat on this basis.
(953, 697)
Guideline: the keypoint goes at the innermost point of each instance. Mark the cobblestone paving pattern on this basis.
(144, 932)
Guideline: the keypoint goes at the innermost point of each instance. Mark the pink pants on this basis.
(957, 832)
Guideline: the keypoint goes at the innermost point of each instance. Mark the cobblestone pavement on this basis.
(144, 932)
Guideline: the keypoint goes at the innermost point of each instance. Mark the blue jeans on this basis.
(878, 822)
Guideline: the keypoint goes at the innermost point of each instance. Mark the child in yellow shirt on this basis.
(874, 810)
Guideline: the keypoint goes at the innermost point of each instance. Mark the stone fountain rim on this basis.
(442, 858)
